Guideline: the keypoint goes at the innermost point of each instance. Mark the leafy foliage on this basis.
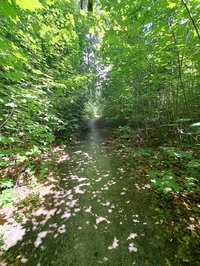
(152, 48)
(140, 57)
(184, 172)
(5, 197)
(43, 80)
(164, 181)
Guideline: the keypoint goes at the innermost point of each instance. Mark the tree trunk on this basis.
(83, 5)
(90, 5)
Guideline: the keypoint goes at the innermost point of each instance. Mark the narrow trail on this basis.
(99, 213)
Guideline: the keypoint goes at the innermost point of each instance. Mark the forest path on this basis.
(99, 213)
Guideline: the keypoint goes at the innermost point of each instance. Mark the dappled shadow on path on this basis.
(94, 211)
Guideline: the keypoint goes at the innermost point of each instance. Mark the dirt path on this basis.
(98, 212)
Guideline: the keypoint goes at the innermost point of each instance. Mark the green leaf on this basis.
(30, 5)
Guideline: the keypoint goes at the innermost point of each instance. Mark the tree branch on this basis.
(7, 118)
(191, 18)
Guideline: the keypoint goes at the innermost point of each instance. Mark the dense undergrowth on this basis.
(43, 81)
(151, 104)
(153, 82)
(171, 171)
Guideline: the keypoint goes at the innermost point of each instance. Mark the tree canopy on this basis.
(136, 62)
(153, 48)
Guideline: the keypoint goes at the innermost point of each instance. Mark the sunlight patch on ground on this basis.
(132, 236)
(102, 219)
(132, 247)
(13, 234)
(115, 244)
(39, 238)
